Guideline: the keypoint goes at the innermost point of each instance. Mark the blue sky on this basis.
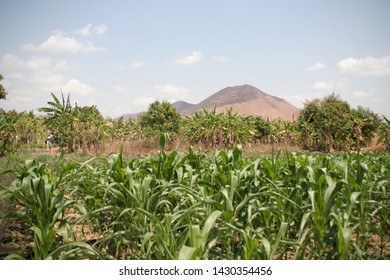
(123, 55)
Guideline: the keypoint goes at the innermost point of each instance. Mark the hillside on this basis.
(182, 106)
(246, 100)
(126, 117)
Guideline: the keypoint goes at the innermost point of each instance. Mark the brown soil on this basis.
(11, 239)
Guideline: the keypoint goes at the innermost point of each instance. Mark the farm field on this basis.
(196, 205)
(164, 186)
(248, 134)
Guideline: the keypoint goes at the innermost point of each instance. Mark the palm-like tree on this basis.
(76, 128)
(61, 121)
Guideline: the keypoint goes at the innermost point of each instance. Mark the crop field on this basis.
(193, 205)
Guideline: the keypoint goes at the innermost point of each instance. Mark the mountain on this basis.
(182, 105)
(126, 117)
(246, 100)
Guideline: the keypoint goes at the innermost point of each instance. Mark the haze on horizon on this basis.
(122, 55)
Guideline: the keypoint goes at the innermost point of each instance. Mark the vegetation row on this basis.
(195, 206)
(327, 124)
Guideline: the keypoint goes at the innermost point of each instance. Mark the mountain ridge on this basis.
(246, 100)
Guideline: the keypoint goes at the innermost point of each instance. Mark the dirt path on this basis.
(53, 151)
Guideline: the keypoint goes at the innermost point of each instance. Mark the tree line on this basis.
(327, 124)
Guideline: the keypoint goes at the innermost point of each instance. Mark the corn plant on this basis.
(44, 210)
(218, 129)
(192, 205)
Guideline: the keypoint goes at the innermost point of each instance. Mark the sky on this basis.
(123, 55)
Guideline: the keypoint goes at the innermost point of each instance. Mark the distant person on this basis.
(48, 142)
(29, 138)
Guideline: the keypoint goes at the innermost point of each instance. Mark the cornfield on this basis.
(194, 205)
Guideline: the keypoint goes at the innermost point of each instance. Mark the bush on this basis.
(330, 124)
(160, 118)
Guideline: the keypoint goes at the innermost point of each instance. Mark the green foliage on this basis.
(17, 129)
(218, 129)
(3, 91)
(44, 210)
(264, 129)
(27, 124)
(330, 124)
(229, 129)
(126, 129)
(160, 118)
(59, 120)
(365, 125)
(8, 131)
(384, 133)
(194, 206)
(76, 128)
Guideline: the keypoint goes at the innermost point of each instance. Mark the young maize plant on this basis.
(45, 210)
(199, 206)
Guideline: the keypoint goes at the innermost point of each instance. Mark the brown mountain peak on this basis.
(246, 100)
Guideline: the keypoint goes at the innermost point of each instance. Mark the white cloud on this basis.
(323, 86)
(23, 99)
(100, 29)
(58, 43)
(361, 93)
(43, 83)
(90, 29)
(15, 75)
(85, 31)
(316, 67)
(134, 65)
(172, 90)
(369, 66)
(120, 88)
(43, 75)
(11, 61)
(304, 98)
(194, 57)
(46, 82)
(219, 58)
(143, 101)
(63, 65)
(76, 87)
(300, 97)
(137, 64)
(379, 100)
(35, 63)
